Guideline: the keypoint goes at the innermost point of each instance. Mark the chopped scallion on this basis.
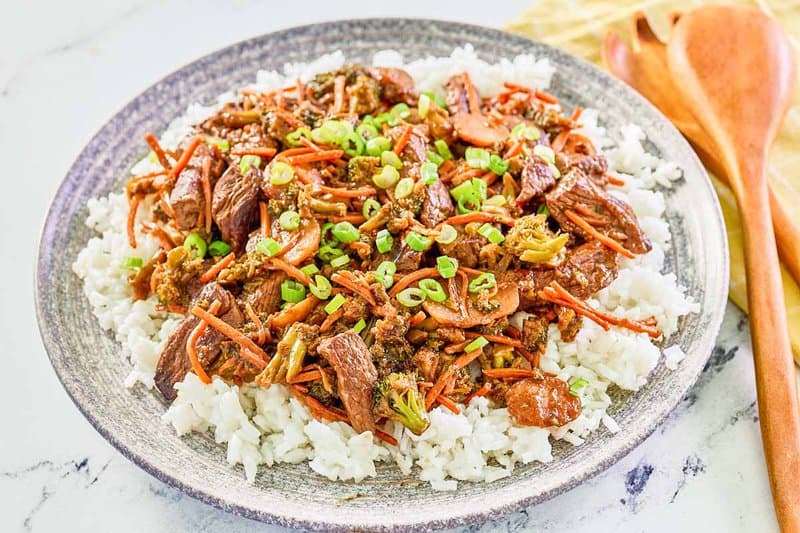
(384, 241)
(378, 145)
(345, 232)
(429, 172)
(268, 246)
(321, 287)
(280, 173)
(447, 266)
(494, 235)
(335, 304)
(497, 164)
(247, 162)
(477, 157)
(577, 385)
(132, 262)
(370, 208)
(482, 282)
(411, 297)
(442, 149)
(424, 105)
(476, 344)
(433, 290)
(545, 152)
(292, 291)
(447, 234)
(309, 270)
(328, 253)
(417, 241)
(404, 188)
(223, 144)
(289, 220)
(392, 159)
(219, 249)
(385, 272)
(435, 158)
(387, 177)
(340, 261)
(195, 245)
(359, 326)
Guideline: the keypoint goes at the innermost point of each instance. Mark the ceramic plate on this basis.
(91, 369)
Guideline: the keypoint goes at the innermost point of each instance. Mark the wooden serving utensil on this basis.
(736, 69)
(645, 68)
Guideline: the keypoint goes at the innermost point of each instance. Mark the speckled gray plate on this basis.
(88, 363)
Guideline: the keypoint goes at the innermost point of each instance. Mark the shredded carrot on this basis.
(353, 219)
(465, 359)
(402, 141)
(185, 156)
(457, 347)
(308, 143)
(163, 237)
(446, 167)
(191, 344)
(295, 151)
(205, 180)
(385, 437)
(556, 291)
(613, 180)
(156, 147)
(266, 230)
(338, 95)
(433, 394)
(408, 279)
(490, 177)
(330, 320)
(472, 95)
(134, 207)
(217, 267)
(340, 192)
(300, 91)
(506, 373)
(290, 270)
(516, 87)
(345, 280)
(323, 155)
(592, 231)
(532, 358)
(302, 389)
(416, 319)
(479, 216)
(259, 151)
(545, 96)
(561, 139)
(175, 308)
(447, 402)
(296, 313)
(499, 339)
(464, 284)
(233, 334)
(257, 321)
(482, 391)
(514, 150)
(576, 114)
(304, 377)
(320, 410)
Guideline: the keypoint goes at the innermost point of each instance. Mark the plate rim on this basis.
(52, 347)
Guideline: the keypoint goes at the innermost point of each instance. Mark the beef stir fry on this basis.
(366, 246)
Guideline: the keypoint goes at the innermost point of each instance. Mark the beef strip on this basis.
(536, 179)
(235, 205)
(264, 293)
(186, 198)
(587, 269)
(577, 192)
(466, 249)
(437, 206)
(396, 85)
(355, 376)
(542, 402)
(173, 364)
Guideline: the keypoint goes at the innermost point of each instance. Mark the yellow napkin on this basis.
(579, 26)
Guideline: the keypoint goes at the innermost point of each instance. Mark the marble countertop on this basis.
(66, 68)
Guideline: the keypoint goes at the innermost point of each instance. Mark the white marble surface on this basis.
(65, 68)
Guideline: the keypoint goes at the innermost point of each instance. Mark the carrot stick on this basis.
(479, 216)
(348, 193)
(253, 358)
(304, 377)
(232, 333)
(457, 347)
(532, 358)
(385, 437)
(308, 143)
(489, 178)
(296, 313)
(576, 114)
(607, 241)
(403, 139)
(291, 270)
(191, 344)
(482, 391)
(330, 320)
(216, 268)
(185, 156)
(467, 358)
(263, 216)
(353, 285)
(416, 319)
(408, 279)
(295, 151)
(259, 151)
(134, 207)
(324, 155)
(434, 392)
(353, 219)
(205, 180)
(338, 95)
(300, 91)
(447, 402)
(560, 141)
(613, 180)
(503, 373)
(514, 150)
(255, 320)
(472, 95)
(499, 339)
(156, 147)
(545, 96)
(516, 87)
(464, 284)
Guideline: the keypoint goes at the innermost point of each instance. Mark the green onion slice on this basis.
(339, 262)
(494, 235)
(268, 246)
(353, 144)
(498, 200)
(292, 291)
(433, 290)
(384, 241)
(401, 110)
(482, 282)
(345, 232)
(523, 131)
(293, 138)
(545, 152)
(247, 162)
(132, 262)
(370, 208)
(543, 210)
(476, 344)
(367, 131)
(219, 248)
(223, 144)
(429, 172)
(323, 235)
(442, 149)
(280, 173)
(577, 385)
(289, 220)
(435, 158)
(328, 253)
(438, 100)
(321, 287)
(391, 159)
(447, 266)
(411, 297)
(418, 242)
(497, 164)
(375, 147)
(447, 234)
(404, 188)
(385, 272)
(195, 245)
(387, 177)
(335, 304)
(309, 270)
(477, 157)
(424, 105)
(359, 326)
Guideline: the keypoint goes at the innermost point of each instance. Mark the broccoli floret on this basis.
(398, 398)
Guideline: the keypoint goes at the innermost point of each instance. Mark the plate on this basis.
(92, 370)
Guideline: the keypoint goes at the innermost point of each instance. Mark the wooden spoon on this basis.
(645, 69)
(736, 69)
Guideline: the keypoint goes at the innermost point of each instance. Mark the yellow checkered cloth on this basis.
(579, 27)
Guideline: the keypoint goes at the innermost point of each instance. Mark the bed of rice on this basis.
(265, 426)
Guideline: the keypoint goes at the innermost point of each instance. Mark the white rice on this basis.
(265, 426)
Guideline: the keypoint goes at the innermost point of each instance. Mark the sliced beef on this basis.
(355, 376)
(466, 249)
(579, 193)
(594, 166)
(186, 197)
(437, 206)
(235, 205)
(264, 293)
(406, 260)
(416, 149)
(587, 269)
(542, 402)
(173, 364)
(396, 84)
(536, 179)
(534, 335)
(569, 323)
(458, 92)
